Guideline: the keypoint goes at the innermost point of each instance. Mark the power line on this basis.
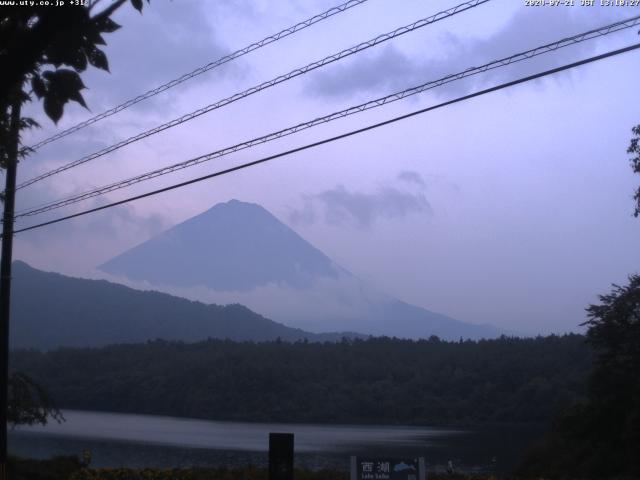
(595, 33)
(198, 71)
(339, 137)
(275, 81)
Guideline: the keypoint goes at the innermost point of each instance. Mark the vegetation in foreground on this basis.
(71, 468)
(600, 437)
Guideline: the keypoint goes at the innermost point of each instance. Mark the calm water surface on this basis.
(145, 440)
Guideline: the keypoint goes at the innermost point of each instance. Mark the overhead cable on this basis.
(199, 71)
(275, 81)
(503, 62)
(338, 137)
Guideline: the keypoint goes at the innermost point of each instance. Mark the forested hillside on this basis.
(379, 380)
(51, 310)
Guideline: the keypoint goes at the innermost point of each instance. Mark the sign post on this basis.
(281, 456)
(365, 468)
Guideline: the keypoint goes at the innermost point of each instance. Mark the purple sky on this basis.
(513, 208)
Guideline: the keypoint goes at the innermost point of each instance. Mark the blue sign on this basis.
(363, 468)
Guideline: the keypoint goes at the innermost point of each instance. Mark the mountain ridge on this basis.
(240, 252)
(50, 310)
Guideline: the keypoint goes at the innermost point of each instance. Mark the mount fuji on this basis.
(238, 252)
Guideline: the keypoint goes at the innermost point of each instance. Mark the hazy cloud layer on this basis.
(378, 70)
(389, 69)
(411, 177)
(69, 247)
(181, 39)
(338, 206)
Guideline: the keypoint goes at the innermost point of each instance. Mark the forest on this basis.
(584, 388)
(379, 380)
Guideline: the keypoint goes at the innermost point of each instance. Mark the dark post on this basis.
(281, 456)
(5, 277)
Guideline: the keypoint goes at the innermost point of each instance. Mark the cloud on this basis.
(411, 176)
(339, 206)
(389, 69)
(305, 215)
(167, 40)
(76, 246)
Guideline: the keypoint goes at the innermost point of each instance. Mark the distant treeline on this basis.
(379, 380)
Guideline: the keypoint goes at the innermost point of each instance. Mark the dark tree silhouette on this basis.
(634, 149)
(378, 380)
(29, 403)
(600, 437)
(43, 51)
(614, 385)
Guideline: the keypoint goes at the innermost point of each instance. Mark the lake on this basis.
(116, 439)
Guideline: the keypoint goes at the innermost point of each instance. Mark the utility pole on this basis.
(5, 275)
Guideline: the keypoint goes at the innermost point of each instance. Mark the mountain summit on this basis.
(233, 246)
(238, 252)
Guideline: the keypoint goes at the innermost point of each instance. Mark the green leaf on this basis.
(64, 81)
(107, 25)
(64, 85)
(78, 60)
(38, 86)
(137, 4)
(94, 38)
(77, 97)
(98, 59)
(53, 107)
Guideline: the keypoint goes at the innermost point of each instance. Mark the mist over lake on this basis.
(154, 441)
